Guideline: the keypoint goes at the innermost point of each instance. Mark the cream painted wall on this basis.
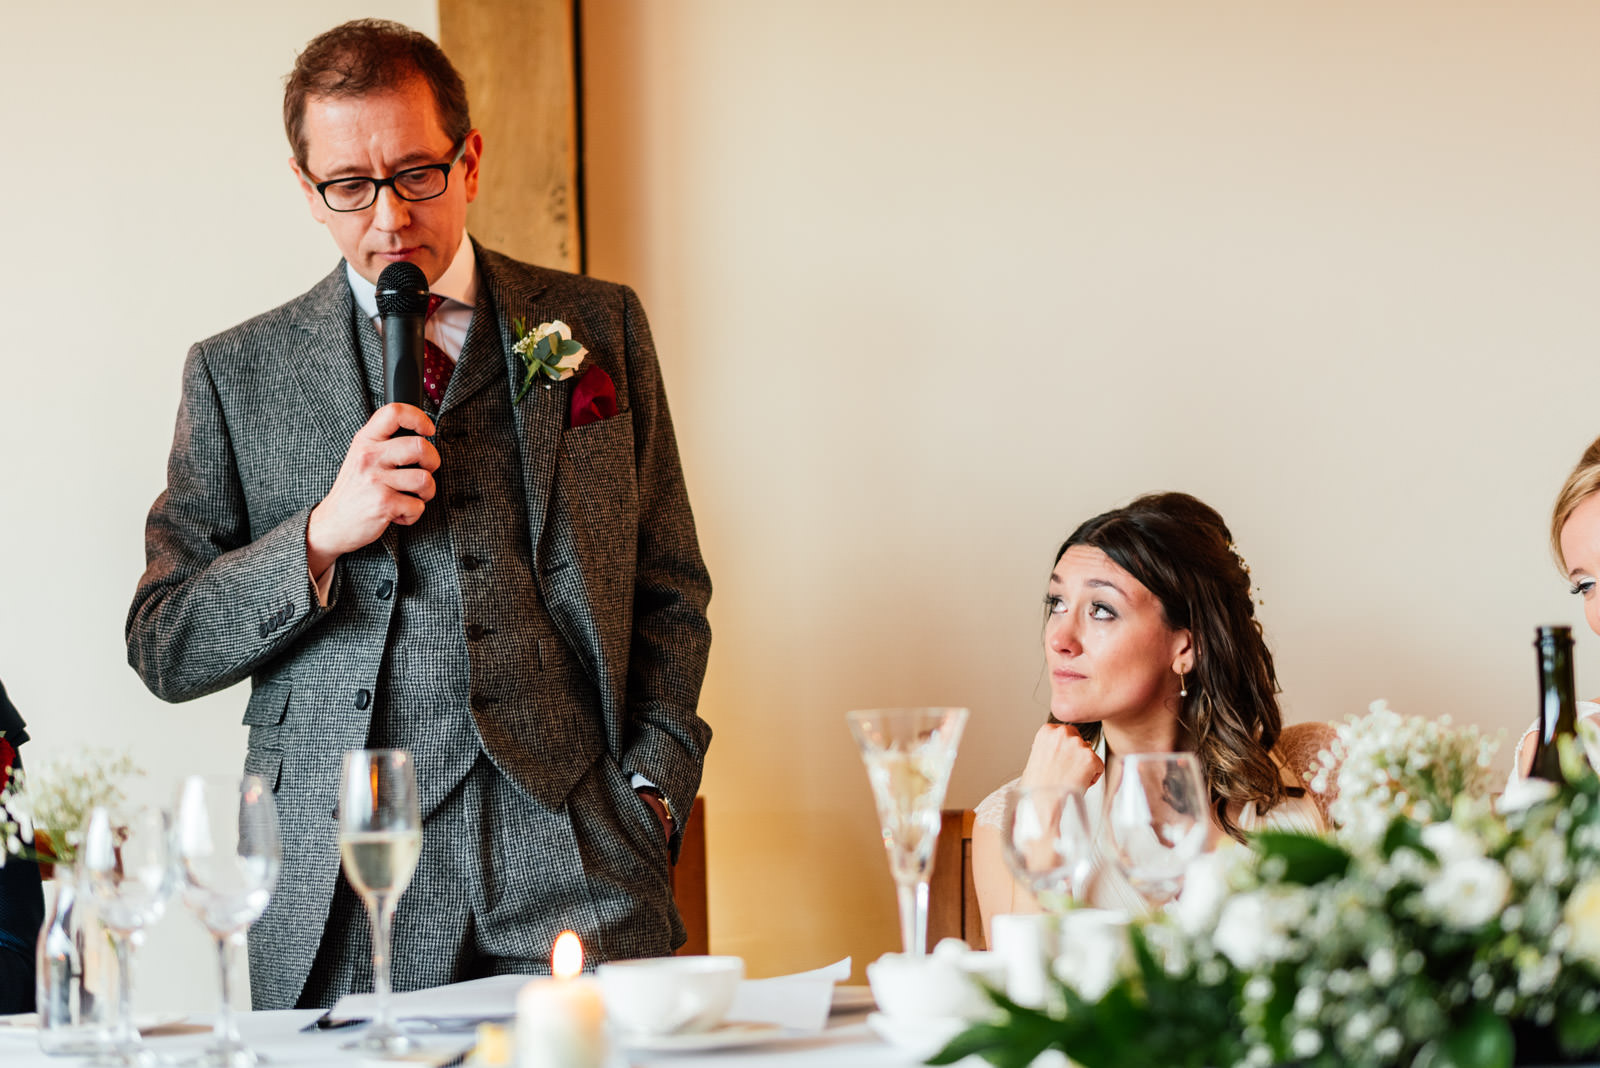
(933, 282)
(149, 205)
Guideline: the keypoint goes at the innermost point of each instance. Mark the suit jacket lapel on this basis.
(339, 366)
(542, 414)
(328, 366)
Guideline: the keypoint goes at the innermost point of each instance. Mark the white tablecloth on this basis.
(847, 1042)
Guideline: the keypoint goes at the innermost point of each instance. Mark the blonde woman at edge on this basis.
(1152, 645)
(1575, 541)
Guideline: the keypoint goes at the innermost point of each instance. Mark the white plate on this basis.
(28, 1022)
(920, 1036)
(852, 999)
(725, 1036)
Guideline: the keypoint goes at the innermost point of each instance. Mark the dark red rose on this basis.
(8, 758)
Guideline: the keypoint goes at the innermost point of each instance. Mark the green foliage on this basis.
(1306, 860)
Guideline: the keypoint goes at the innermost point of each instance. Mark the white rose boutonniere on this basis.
(547, 351)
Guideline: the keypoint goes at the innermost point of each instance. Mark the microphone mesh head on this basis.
(402, 290)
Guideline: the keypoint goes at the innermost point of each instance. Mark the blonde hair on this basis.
(1580, 485)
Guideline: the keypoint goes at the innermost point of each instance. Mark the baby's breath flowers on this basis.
(55, 797)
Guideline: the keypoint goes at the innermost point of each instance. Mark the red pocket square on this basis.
(594, 397)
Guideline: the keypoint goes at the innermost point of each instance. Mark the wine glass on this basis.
(125, 862)
(1047, 844)
(380, 838)
(1159, 820)
(909, 753)
(228, 854)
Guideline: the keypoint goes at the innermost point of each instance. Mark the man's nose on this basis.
(390, 213)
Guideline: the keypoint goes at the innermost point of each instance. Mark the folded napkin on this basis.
(800, 1002)
(468, 1003)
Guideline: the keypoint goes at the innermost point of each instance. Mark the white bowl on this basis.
(669, 995)
(943, 985)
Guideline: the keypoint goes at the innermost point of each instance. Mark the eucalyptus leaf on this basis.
(1307, 860)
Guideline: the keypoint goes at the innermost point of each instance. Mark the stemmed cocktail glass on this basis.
(228, 854)
(380, 839)
(1159, 820)
(909, 753)
(125, 863)
(1046, 843)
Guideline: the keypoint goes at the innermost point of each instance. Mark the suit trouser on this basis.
(500, 876)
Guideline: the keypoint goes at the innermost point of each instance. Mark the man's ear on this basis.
(470, 159)
(313, 198)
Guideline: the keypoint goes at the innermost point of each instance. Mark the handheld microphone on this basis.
(403, 303)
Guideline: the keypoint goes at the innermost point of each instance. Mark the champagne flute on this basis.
(1160, 820)
(909, 753)
(380, 839)
(228, 854)
(1047, 844)
(125, 862)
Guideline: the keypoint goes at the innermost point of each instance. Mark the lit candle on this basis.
(561, 1021)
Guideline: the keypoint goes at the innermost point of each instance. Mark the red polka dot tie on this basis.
(436, 366)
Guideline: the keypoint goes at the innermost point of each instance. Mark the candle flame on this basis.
(566, 958)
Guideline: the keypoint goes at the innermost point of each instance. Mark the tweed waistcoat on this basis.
(473, 655)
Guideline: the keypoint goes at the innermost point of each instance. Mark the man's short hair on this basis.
(370, 56)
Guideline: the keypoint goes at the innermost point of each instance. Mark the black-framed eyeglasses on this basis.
(413, 183)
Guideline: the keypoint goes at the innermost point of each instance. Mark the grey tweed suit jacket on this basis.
(268, 412)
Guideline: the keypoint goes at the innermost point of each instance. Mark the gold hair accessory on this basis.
(1254, 594)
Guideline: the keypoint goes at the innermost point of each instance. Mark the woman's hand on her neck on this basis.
(1060, 757)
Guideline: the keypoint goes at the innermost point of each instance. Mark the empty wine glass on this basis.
(1046, 843)
(909, 753)
(380, 839)
(228, 854)
(125, 862)
(1159, 821)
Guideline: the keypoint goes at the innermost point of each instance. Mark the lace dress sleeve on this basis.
(991, 810)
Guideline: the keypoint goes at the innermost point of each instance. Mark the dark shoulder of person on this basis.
(12, 729)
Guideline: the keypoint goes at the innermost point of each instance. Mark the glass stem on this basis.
(224, 1030)
(382, 916)
(914, 917)
(126, 1036)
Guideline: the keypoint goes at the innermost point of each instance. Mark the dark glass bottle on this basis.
(1558, 703)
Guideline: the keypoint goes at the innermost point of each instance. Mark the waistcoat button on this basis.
(363, 699)
(474, 631)
(385, 590)
(470, 563)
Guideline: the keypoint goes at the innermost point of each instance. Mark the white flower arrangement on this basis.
(55, 798)
(1435, 930)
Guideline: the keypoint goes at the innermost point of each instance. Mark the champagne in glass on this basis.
(1160, 820)
(229, 854)
(380, 838)
(1047, 844)
(909, 753)
(125, 862)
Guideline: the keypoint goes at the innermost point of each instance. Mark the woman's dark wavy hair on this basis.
(1182, 552)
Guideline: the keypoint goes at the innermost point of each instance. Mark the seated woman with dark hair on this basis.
(21, 901)
(1152, 646)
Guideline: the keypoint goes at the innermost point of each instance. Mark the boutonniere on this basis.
(547, 351)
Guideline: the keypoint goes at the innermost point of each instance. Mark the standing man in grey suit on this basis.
(514, 593)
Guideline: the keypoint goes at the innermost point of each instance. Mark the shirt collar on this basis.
(458, 283)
